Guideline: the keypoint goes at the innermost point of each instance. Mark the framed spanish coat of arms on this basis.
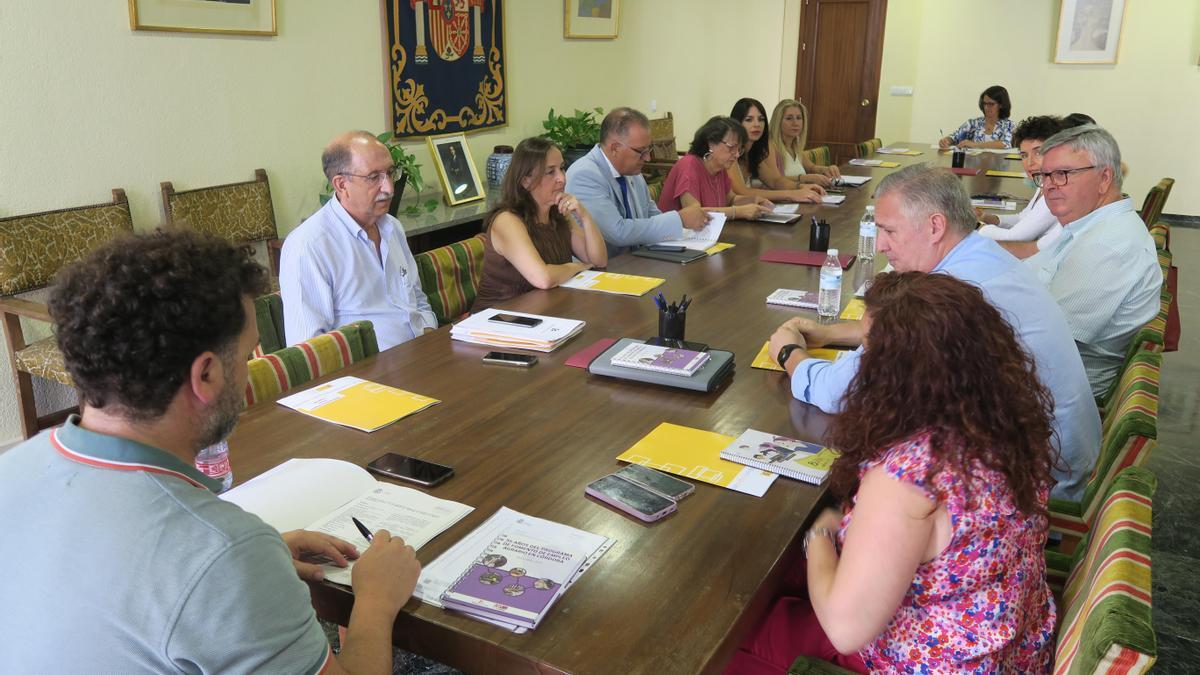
(445, 66)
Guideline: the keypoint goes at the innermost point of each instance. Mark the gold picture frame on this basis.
(591, 19)
(219, 17)
(456, 168)
(1089, 31)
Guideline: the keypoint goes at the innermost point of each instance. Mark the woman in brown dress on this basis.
(529, 238)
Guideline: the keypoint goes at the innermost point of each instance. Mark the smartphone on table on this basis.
(509, 359)
(656, 481)
(514, 320)
(630, 497)
(410, 469)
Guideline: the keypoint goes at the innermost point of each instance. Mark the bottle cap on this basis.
(870, 208)
(832, 251)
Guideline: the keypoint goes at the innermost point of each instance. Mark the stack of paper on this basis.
(702, 239)
(611, 282)
(547, 336)
(443, 581)
(323, 495)
(357, 403)
(874, 162)
(898, 151)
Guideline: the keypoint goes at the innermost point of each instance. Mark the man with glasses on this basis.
(608, 181)
(1102, 269)
(350, 260)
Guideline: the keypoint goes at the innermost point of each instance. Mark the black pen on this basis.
(363, 529)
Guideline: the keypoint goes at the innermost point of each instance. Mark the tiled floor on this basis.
(1175, 543)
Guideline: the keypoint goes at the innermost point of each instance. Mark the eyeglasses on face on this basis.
(644, 153)
(1057, 178)
(390, 175)
(733, 147)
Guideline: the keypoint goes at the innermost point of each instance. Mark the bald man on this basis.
(350, 260)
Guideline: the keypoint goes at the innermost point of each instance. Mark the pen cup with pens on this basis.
(958, 158)
(818, 235)
(672, 320)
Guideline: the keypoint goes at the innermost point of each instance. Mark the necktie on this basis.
(623, 182)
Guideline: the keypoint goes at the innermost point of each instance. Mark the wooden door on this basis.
(837, 71)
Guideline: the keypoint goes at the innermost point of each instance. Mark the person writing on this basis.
(701, 177)
(789, 135)
(753, 175)
(993, 130)
(1035, 220)
(529, 237)
(934, 563)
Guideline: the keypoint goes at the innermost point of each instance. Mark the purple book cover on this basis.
(675, 359)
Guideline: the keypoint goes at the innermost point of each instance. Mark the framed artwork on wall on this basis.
(591, 19)
(1089, 31)
(224, 17)
(456, 168)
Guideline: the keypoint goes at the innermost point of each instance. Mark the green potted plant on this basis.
(574, 134)
(410, 175)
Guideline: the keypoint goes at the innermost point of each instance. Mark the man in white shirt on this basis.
(350, 260)
(1103, 269)
(608, 181)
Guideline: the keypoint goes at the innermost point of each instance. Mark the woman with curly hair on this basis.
(935, 563)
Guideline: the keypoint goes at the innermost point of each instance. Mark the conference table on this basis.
(674, 596)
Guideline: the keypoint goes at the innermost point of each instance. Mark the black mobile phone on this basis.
(410, 469)
(507, 359)
(666, 249)
(656, 481)
(514, 320)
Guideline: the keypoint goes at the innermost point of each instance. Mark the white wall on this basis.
(950, 50)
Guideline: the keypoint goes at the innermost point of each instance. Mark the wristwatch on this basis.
(784, 352)
(822, 531)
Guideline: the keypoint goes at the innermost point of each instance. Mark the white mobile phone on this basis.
(630, 497)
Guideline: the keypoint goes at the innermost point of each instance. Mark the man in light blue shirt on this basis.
(1103, 269)
(608, 181)
(926, 224)
(350, 260)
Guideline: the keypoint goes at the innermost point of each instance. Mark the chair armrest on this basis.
(25, 308)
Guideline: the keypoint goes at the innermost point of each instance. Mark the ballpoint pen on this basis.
(363, 529)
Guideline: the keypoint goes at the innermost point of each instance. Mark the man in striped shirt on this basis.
(1103, 269)
(123, 559)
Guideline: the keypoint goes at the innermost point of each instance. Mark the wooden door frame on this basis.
(869, 88)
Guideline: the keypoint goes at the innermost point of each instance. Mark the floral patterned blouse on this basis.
(982, 605)
(972, 130)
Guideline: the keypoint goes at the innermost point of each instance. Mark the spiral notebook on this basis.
(785, 456)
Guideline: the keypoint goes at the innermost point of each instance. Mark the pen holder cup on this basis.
(818, 236)
(958, 158)
(671, 325)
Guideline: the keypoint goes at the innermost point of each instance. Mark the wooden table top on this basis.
(676, 596)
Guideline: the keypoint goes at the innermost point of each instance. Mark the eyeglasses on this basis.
(392, 175)
(644, 153)
(1057, 178)
(734, 148)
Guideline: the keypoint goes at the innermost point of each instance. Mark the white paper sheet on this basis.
(702, 239)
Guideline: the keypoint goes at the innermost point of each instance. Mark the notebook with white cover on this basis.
(668, 360)
(791, 298)
(785, 456)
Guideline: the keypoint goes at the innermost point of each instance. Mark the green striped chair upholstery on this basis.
(284, 370)
(1104, 623)
(268, 314)
(450, 275)
(819, 155)
(1162, 236)
(867, 148)
(1128, 434)
(1156, 199)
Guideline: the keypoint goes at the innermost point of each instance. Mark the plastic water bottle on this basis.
(213, 462)
(866, 235)
(829, 297)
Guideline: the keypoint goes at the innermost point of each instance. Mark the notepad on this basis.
(766, 361)
(783, 213)
(357, 403)
(611, 282)
(854, 310)
(898, 151)
(874, 162)
(831, 200)
(785, 456)
(1005, 174)
(696, 454)
(703, 238)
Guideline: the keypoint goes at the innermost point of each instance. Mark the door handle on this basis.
(866, 102)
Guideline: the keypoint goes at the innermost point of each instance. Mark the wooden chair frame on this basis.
(274, 244)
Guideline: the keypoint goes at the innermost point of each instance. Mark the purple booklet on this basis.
(516, 579)
(668, 360)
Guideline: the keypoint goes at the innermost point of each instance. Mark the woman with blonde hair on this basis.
(789, 134)
(753, 175)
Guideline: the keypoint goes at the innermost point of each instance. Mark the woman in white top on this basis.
(1035, 220)
(755, 175)
(789, 133)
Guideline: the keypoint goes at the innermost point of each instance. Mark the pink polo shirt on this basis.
(689, 175)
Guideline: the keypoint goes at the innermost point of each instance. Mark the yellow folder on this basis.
(611, 282)
(696, 454)
(766, 361)
(854, 310)
(718, 247)
(356, 403)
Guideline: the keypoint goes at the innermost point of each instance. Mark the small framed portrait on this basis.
(456, 169)
(1089, 31)
(591, 19)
